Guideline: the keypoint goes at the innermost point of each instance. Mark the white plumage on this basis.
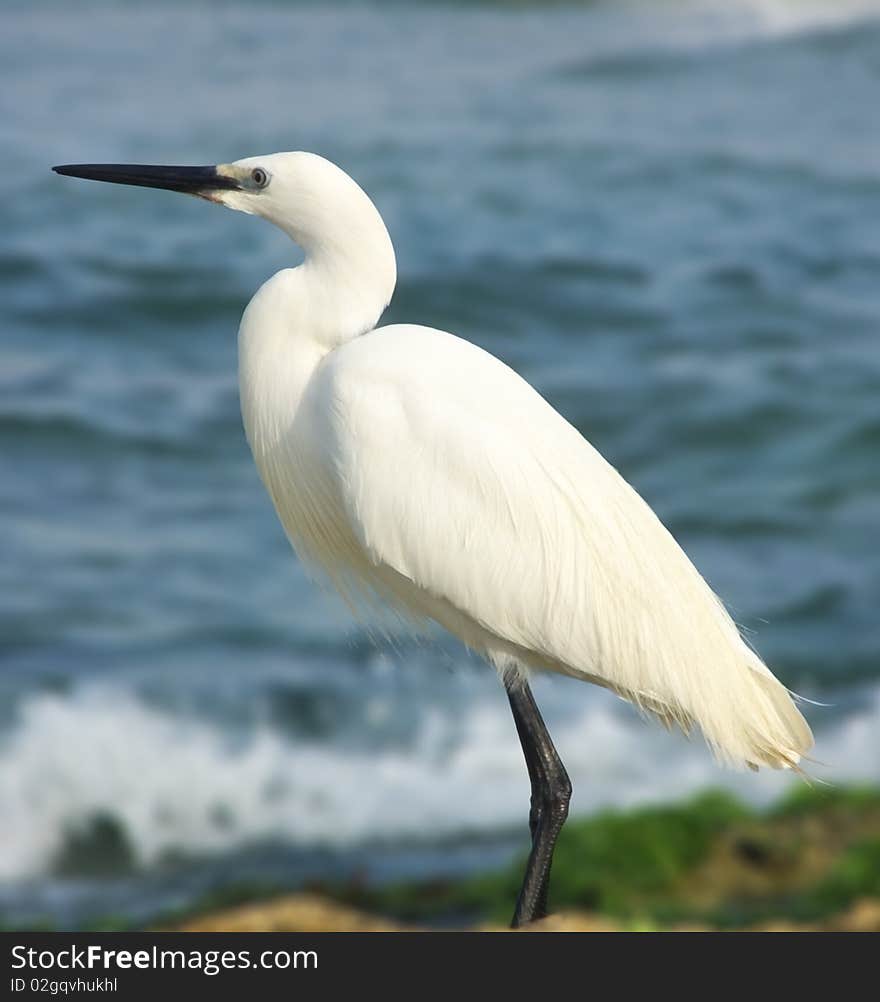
(411, 466)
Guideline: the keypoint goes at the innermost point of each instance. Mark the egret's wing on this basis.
(458, 477)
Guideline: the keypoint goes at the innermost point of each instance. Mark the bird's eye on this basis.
(259, 177)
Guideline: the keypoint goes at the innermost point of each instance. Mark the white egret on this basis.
(413, 467)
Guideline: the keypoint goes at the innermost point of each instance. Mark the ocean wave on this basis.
(66, 431)
(721, 29)
(100, 767)
(777, 17)
(751, 18)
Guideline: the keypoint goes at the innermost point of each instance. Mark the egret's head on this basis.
(308, 197)
(311, 199)
(281, 186)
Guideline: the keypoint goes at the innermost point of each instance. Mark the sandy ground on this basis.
(312, 913)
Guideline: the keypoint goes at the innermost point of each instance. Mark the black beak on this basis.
(192, 180)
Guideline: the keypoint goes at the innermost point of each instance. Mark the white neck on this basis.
(343, 289)
(338, 293)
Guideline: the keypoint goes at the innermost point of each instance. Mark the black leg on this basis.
(551, 792)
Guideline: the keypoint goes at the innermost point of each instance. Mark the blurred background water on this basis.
(664, 215)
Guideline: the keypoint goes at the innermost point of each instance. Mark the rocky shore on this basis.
(313, 913)
(811, 862)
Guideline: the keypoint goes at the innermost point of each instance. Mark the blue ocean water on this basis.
(663, 215)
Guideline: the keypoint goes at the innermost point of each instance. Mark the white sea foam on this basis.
(177, 783)
(776, 17)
